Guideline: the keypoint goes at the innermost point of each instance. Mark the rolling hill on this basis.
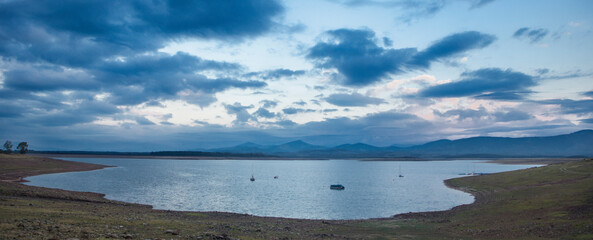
(577, 144)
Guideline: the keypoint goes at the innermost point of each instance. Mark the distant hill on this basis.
(295, 146)
(247, 147)
(569, 145)
(289, 147)
(575, 144)
(360, 147)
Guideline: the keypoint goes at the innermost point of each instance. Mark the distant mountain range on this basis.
(577, 144)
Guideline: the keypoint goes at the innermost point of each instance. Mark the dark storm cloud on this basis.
(356, 56)
(451, 46)
(533, 35)
(491, 83)
(61, 55)
(352, 100)
(78, 33)
(360, 61)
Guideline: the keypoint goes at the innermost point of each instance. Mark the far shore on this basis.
(170, 157)
(499, 160)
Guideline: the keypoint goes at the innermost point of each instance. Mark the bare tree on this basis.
(23, 147)
(8, 146)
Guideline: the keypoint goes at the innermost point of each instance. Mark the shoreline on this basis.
(478, 198)
(66, 214)
(92, 167)
(499, 160)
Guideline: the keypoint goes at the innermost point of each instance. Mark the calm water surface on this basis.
(373, 189)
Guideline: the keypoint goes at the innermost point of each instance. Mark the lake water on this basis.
(373, 189)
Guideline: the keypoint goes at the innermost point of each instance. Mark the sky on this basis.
(194, 75)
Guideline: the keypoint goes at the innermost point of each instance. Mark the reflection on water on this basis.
(372, 189)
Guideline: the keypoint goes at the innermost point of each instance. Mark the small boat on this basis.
(337, 187)
(275, 177)
(252, 178)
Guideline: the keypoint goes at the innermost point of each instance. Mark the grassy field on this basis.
(551, 202)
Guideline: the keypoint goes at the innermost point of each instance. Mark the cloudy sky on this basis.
(189, 75)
